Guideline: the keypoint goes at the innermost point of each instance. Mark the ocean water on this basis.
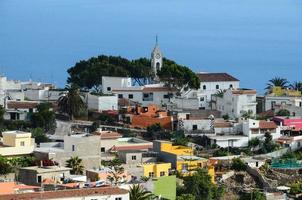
(254, 40)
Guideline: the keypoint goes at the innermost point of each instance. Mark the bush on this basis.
(283, 112)
(238, 165)
(296, 188)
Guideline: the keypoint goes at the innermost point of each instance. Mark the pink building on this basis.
(292, 124)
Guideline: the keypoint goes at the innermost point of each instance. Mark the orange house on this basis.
(142, 117)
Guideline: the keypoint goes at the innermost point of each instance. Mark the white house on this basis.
(235, 102)
(211, 83)
(257, 128)
(101, 103)
(9, 84)
(43, 94)
(239, 134)
(19, 110)
(272, 101)
(111, 83)
(145, 95)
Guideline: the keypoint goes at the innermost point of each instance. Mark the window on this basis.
(201, 98)
(118, 198)
(231, 86)
(108, 88)
(120, 96)
(162, 173)
(199, 165)
(194, 127)
(299, 144)
(151, 174)
(217, 87)
(133, 158)
(72, 148)
(204, 87)
(22, 143)
(187, 116)
(145, 109)
(103, 149)
(146, 95)
(39, 179)
(166, 96)
(130, 96)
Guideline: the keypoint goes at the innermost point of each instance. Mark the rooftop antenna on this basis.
(156, 39)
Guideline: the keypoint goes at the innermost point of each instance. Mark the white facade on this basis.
(186, 103)
(236, 102)
(210, 84)
(6, 95)
(101, 103)
(255, 128)
(145, 95)
(9, 84)
(272, 101)
(42, 94)
(111, 83)
(229, 140)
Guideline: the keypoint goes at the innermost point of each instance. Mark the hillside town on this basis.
(175, 134)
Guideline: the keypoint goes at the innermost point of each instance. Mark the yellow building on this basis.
(166, 146)
(16, 143)
(155, 170)
(211, 172)
(180, 157)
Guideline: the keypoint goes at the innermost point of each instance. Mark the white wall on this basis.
(235, 105)
(42, 95)
(9, 84)
(186, 103)
(114, 83)
(101, 103)
(210, 90)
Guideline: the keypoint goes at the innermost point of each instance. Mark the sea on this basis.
(253, 40)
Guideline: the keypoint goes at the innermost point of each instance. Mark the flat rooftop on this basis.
(192, 158)
(46, 169)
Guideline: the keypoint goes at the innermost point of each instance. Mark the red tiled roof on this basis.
(222, 124)
(215, 77)
(267, 125)
(21, 104)
(66, 193)
(11, 187)
(246, 91)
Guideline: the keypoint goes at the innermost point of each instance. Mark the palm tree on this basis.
(296, 86)
(277, 82)
(75, 163)
(137, 192)
(116, 175)
(72, 102)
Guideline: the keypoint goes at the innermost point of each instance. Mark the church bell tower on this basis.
(156, 59)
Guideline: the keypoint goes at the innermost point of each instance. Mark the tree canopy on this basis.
(200, 186)
(88, 74)
(178, 76)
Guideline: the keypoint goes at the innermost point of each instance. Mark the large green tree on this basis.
(200, 186)
(72, 102)
(44, 118)
(88, 73)
(178, 77)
